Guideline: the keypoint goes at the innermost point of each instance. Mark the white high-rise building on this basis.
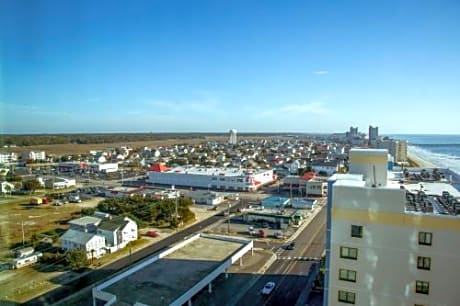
(389, 243)
(232, 138)
(397, 149)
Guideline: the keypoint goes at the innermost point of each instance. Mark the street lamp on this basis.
(228, 216)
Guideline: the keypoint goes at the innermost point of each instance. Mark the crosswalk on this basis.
(301, 258)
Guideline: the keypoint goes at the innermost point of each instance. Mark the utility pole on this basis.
(228, 224)
(23, 236)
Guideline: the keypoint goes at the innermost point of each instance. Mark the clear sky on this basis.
(208, 66)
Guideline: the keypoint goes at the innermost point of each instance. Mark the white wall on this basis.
(387, 254)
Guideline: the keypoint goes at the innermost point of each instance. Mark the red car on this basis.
(152, 234)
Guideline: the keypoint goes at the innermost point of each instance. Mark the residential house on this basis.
(93, 244)
(118, 232)
(6, 187)
(325, 166)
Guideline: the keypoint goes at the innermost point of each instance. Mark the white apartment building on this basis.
(212, 178)
(397, 149)
(232, 137)
(33, 155)
(8, 157)
(388, 243)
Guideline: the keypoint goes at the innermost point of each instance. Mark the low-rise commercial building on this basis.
(175, 275)
(214, 178)
(205, 197)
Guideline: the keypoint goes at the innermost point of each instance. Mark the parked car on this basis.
(262, 233)
(152, 233)
(278, 235)
(268, 288)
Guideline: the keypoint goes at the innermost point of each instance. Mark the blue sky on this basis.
(208, 66)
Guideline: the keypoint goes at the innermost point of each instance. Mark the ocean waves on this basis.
(442, 160)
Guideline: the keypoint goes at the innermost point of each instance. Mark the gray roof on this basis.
(112, 224)
(78, 236)
(84, 221)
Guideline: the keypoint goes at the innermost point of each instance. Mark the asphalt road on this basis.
(290, 274)
(104, 272)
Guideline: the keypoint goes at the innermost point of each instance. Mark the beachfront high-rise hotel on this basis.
(373, 136)
(389, 243)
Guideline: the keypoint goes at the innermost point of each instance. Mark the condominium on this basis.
(373, 136)
(390, 243)
(232, 139)
(397, 149)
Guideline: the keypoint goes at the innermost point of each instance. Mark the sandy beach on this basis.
(417, 161)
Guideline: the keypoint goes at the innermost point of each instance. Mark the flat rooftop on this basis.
(421, 198)
(213, 171)
(165, 280)
(280, 212)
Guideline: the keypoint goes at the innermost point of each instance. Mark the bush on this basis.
(76, 259)
(89, 211)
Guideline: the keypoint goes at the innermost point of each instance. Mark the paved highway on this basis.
(290, 274)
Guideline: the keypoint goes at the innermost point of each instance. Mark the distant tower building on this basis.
(353, 132)
(373, 136)
(232, 138)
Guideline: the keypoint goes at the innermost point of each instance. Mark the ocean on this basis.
(441, 150)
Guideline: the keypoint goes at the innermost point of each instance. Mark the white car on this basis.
(268, 288)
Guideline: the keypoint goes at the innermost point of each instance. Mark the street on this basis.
(289, 273)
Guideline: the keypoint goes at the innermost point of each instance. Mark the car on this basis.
(290, 246)
(268, 288)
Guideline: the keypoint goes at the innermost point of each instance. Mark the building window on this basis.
(350, 253)
(422, 287)
(347, 275)
(357, 231)
(424, 263)
(347, 297)
(425, 238)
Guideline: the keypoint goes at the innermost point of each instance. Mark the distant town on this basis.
(240, 204)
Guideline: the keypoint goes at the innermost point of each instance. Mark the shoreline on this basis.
(418, 162)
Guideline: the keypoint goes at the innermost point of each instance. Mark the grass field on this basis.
(59, 149)
(36, 220)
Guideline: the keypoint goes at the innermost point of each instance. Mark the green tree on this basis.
(76, 259)
(88, 211)
(32, 185)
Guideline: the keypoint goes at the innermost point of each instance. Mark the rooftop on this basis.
(112, 223)
(77, 236)
(165, 280)
(213, 171)
(84, 221)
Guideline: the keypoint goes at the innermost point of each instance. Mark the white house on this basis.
(6, 187)
(92, 244)
(328, 167)
(118, 232)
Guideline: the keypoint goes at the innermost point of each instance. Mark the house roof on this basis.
(159, 168)
(112, 224)
(78, 236)
(84, 221)
(308, 175)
